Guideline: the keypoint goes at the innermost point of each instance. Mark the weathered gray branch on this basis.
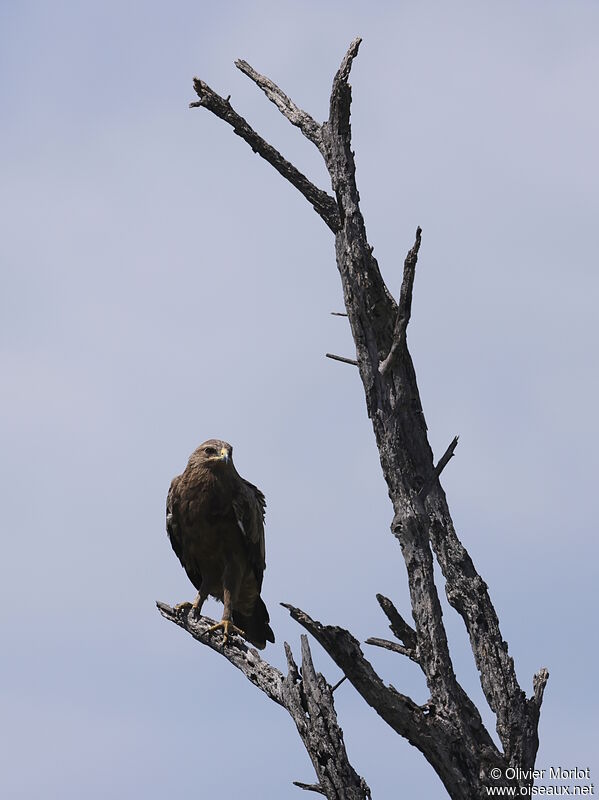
(398, 710)
(400, 628)
(308, 126)
(429, 728)
(404, 308)
(266, 677)
(323, 204)
(309, 700)
(393, 646)
(307, 697)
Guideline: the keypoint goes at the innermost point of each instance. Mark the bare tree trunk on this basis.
(448, 729)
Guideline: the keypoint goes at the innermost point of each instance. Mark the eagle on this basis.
(215, 523)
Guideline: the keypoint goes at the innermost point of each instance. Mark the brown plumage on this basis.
(215, 521)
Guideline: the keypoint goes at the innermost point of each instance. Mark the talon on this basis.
(183, 607)
(227, 626)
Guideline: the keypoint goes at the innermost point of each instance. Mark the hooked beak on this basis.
(224, 454)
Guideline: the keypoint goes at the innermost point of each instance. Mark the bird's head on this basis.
(214, 452)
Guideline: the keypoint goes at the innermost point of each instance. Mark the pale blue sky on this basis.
(163, 285)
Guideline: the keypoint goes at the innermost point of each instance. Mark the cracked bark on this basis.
(306, 695)
(448, 729)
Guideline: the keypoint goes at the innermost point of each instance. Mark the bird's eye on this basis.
(210, 451)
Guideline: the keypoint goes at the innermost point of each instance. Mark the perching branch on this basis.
(307, 697)
(267, 678)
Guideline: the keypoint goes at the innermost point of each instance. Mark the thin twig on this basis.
(394, 646)
(309, 787)
(339, 682)
(339, 313)
(443, 461)
(342, 358)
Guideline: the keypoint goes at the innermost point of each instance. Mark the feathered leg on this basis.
(196, 606)
(226, 624)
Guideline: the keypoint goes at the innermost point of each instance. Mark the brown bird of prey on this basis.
(215, 521)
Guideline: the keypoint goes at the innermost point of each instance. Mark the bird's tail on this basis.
(256, 627)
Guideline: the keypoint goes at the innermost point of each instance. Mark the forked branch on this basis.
(400, 628)
(306, 696)
(398, 710)
(426, 727)
(323, 204)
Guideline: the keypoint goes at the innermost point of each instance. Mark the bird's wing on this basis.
(178, 535)
(249, 506)
(173, 527)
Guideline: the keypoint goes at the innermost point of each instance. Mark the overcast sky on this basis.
(162, 285)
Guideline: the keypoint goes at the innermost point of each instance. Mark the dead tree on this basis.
(447, 729)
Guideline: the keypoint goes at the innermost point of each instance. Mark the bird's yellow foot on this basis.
(194, 608)
(227, 626)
